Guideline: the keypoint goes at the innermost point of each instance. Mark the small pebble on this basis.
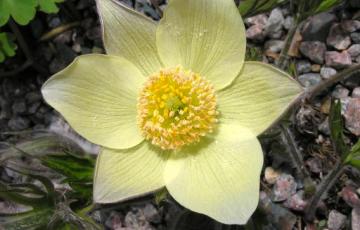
(352, 116)
(355, 219)
(354, 51)
(271, 175)
(273, 27)
(356, 93)
(309, 79)
(336, 220)
(303, 66)
(355, 37)
(315, 68)
(327, 72)
(314, 50)
(338, 38)
(340, 92)
(296, 202)
(284, 188)
(338, 60)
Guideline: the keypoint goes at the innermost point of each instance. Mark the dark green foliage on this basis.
(336, 124)
(306, 8)
(23, 11)
(77, 170)
(51, 209)
(353, 157)
(249, 8)
(7, 47)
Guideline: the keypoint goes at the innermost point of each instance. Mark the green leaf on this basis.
(34, 219)
(326, 5)
(75, 168)
(22, 11)
(249, 8)
(336, 128)
(49, 6)
(246, 6)
(2, 56)
(7, 47)
(38, 146)
(78, 171)
(354, 155)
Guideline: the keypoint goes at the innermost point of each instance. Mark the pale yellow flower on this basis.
(174, 104)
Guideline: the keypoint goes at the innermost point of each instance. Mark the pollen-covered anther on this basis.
(176, 108)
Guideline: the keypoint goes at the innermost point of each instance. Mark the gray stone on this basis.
(18, 123)
(352, 116)
(350, 25)
(318, 26)
(274, 45)
(336, 220)
(355, 219)
(357, 60)
(356, 93)
(338, 38)
(256, 33)
(151, 214)
(340, 92)
(19, 107)
(309, 79)
(273, 27)
(289, 22)
(327, 72)
(354, 51)
(114, 221)
(314, 50)
(284, 188)
(303, 66)
(355, 37)
(34, 107)
(32, 97)
(338, 60)
(259, 19)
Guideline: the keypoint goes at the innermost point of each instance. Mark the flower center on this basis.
(176, 108)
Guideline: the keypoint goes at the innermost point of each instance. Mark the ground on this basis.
(324, 44)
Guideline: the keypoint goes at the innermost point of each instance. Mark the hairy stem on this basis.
(295, 153)
(284, 58)
(316, 90)
(322, 189)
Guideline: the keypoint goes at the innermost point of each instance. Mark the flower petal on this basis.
(97, 95)
(205, 36)
(129, 34)
(124, 174)
(220, 176)
(258, 96)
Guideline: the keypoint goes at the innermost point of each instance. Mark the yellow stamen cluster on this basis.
(176, 108)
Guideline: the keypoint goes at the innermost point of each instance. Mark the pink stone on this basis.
(338, 60)
(352, 116)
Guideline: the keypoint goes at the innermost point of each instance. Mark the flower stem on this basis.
(312, 93)
(295, 153)
(322, 189)
(284, 58)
